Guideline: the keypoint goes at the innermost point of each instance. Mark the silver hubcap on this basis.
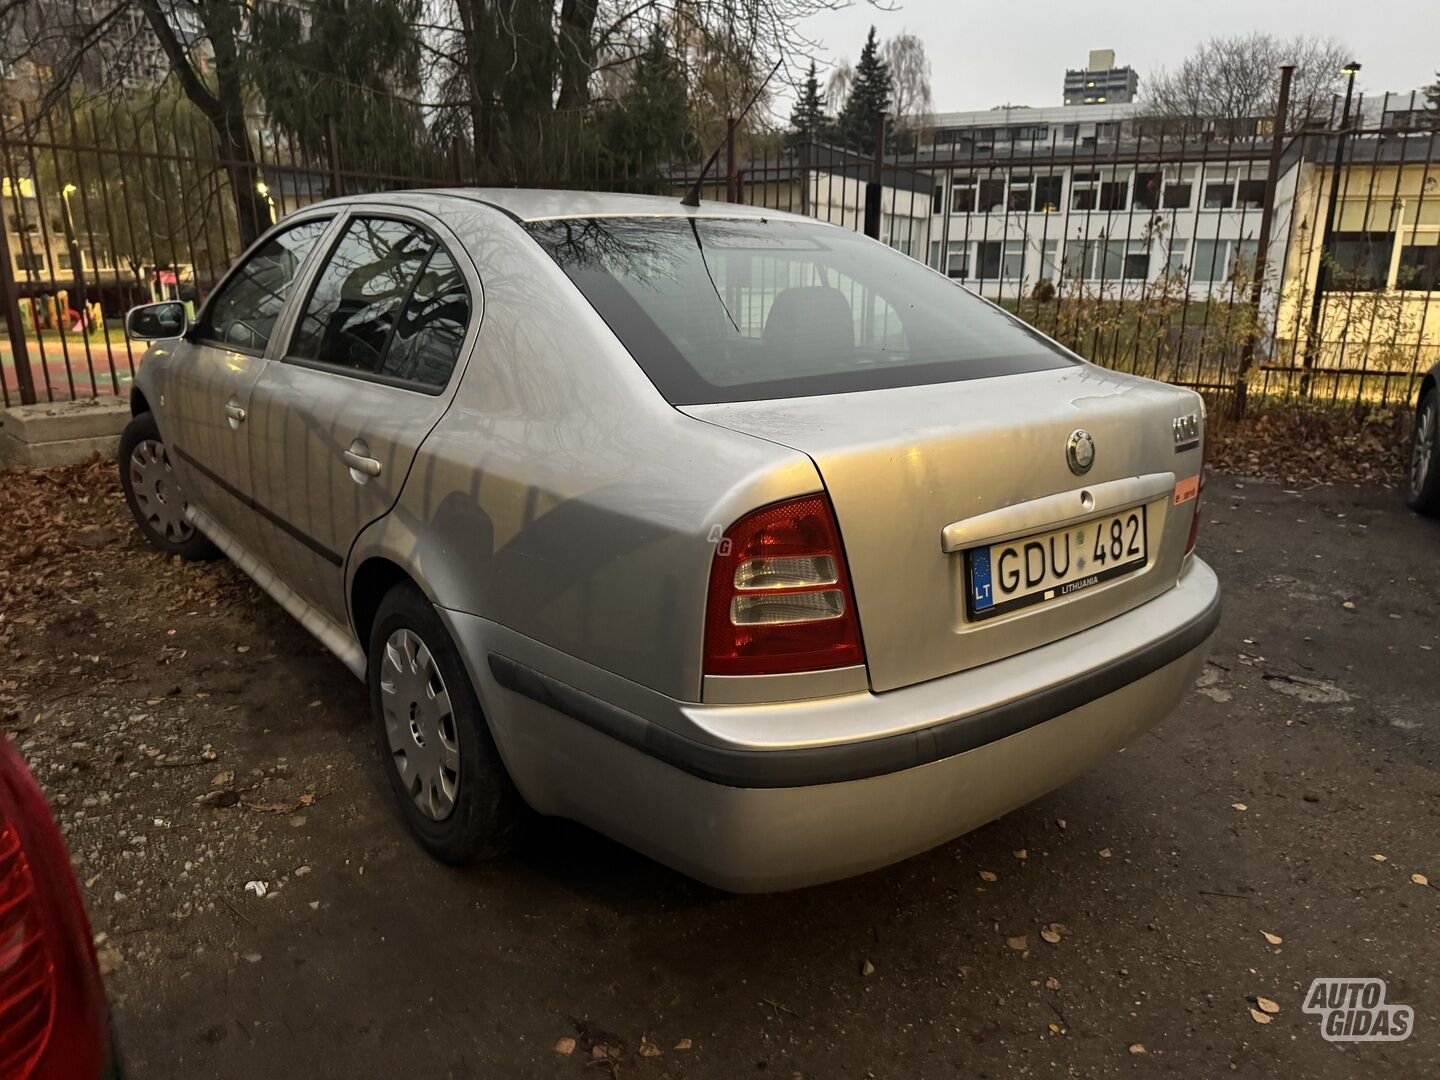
(419, 724)
(156, 493)
(1424, 452)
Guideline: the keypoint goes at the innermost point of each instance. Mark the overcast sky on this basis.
(985, 54)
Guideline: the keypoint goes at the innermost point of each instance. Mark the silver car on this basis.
(738, 537)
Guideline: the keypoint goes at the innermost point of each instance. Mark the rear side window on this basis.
(745, 310)
(242, 314)
(389, 303)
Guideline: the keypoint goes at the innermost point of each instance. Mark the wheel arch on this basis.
(1427, 384)
(138, 402)
(373, 578)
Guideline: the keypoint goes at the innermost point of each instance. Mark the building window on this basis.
(992, 195)
(1175, 259)
(962, 197)
(1223, 260)
(1019, 199)
(30, 262)
(1177, 196)
(1420, 265)
(1072, 131)
(1219, 194)
(1112, 194)
(63, 261)
(1251, 195)
(1356, 261)
(1084, 191)
(957, 262)
(1049, 192)
(937, 205)
(1003, 261)
(1147, 190)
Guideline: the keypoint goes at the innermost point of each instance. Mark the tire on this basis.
(154, 496)
(450, 785)
(1422, 475)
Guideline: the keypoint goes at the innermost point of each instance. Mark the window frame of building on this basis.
(990, 195)
(1042, 187)
(1149, 185)
(1365, 262)
(1250, 193)
(1017, 201)
(1418, 268)
(1114, 195)
(1224, 187)
(962, 195)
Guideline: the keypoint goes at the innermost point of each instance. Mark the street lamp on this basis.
(77, 264)
(1350, 70)
(263, 190)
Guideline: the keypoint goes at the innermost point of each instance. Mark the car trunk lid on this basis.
(919, 475)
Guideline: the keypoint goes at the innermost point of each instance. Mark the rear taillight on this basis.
(780, 597)
(27, 970)
(53, 1019)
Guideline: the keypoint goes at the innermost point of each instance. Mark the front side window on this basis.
(725, 310)
(242, 314)
(389, 302)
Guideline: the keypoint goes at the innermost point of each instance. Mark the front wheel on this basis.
(153, 494)
(441, 760)
(1422, 480)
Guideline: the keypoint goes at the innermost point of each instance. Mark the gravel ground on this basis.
(260, 913)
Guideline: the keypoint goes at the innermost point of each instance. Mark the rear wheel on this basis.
(442, 763)
(153, 494)
(1422, 480)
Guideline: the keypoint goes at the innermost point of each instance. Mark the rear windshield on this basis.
(726, 310)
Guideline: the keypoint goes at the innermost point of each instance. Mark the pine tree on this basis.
(651, 121)
(807, 118)
(869, 97)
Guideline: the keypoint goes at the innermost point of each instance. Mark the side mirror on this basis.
(152, 322)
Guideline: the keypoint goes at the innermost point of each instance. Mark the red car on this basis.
(54, 1021)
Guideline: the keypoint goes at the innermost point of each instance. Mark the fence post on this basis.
(1262, 241)
(873, 188)
(1327, 228)
(333, 133)
(19, 347)
(731, 192)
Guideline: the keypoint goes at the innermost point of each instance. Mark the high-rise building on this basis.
(1100, 82)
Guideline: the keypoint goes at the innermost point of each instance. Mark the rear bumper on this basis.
(761, 797)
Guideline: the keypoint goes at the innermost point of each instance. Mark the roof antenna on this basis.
(692, 197)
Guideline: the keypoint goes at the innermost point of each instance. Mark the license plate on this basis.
(1033, 569)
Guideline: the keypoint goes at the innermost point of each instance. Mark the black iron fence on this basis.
(1247, 260)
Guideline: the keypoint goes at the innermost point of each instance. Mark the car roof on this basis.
(538, 204)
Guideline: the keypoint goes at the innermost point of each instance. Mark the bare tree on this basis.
(909, 67)
(1236, 78)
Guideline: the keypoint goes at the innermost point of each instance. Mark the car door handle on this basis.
(235, 413)
(361, 463)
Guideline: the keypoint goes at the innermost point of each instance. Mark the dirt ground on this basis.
(261, 914)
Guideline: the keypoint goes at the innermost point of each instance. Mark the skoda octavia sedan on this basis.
(739, 537)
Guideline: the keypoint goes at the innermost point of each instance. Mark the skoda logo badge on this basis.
(1080, 452)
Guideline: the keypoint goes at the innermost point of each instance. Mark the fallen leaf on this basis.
(602, 1051)
(221, 779)
(1273, 939)
(1061, 822)
(989, 875)
(1019, 943)
(1420, 879)
(683, 1044)
(1267, 1005)
(1052, 983)
(1138, 1048)
(1056, 1030)
(109, 959)
(1348, 605)
(1239, 806)
(1104, 853)
(867, 968)
(648, 1049)
(1053, 932)
(242, 648)
(1259, 1017)
(1380, 858)
(1021, 854)
(565, 1045)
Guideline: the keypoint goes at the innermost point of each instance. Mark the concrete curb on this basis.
(61, 433)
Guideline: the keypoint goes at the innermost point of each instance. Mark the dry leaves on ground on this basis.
(1309, 446)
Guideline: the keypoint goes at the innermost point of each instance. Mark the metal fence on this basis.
(1247, 260)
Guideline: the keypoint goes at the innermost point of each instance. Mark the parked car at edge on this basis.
(1422, 478)
(741, 538)
(54, 1022)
